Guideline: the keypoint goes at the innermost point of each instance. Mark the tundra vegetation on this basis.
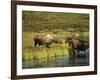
(53, 23)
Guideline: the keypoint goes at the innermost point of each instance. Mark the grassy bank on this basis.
(41, 54)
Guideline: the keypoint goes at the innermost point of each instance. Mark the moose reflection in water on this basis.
(53, 51)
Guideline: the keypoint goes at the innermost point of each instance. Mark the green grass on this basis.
(53, 21)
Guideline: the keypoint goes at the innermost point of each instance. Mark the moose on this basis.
(77, 45)
(46, 40)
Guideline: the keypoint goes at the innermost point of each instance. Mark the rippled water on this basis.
(62, 61)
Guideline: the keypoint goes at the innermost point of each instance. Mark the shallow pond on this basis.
(60, 61)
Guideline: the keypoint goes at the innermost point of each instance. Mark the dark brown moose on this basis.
(77, 45)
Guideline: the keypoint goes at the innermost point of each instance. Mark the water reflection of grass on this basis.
(43, 52)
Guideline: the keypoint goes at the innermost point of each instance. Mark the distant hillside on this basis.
(48, 21)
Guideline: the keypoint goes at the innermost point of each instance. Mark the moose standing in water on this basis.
(46, 40)
(77, 45)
